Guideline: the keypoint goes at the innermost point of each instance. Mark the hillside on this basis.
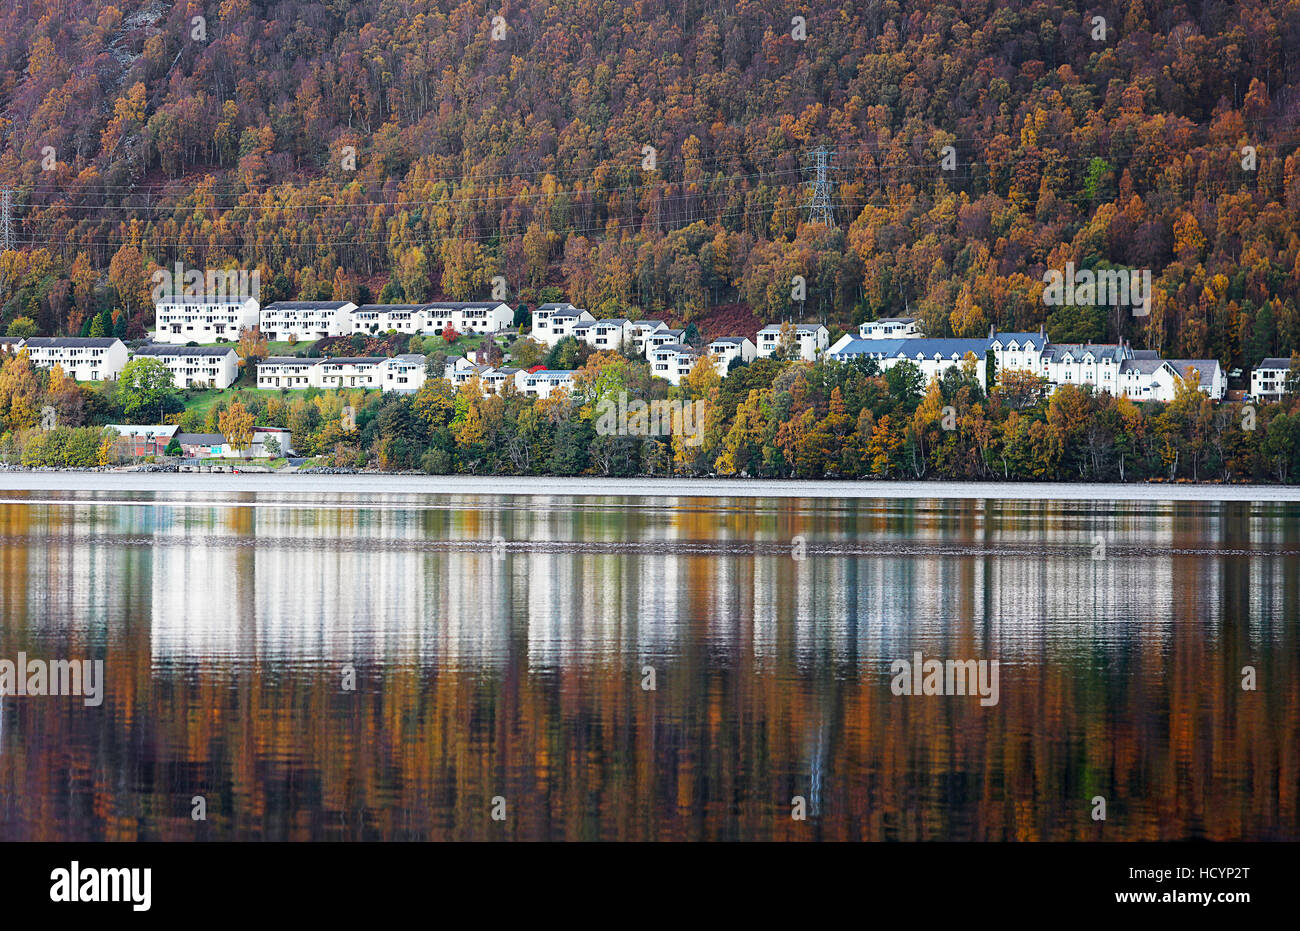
(225, 142)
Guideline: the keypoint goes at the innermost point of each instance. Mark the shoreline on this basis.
(386, 485)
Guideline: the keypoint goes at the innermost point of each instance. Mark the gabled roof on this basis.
(1205, 369)
(353, 360)
(162, 349)
(307, 305)
(924, 346)
(798, 327)
(72, 342)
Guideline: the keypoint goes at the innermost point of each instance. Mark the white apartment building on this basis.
(542, 383)
(380, 318)
(203, 319)
(285, 372)
(890, 328)
(467, 316)
(641, 329)
(664, 337)
(932, 356)
(1268, 380)
(812, 339)
(351, 372)
(403, 373)
(306, 320)
(553, 322)
(673, 362)
(195, 366)
(726, 348)
(82, 358)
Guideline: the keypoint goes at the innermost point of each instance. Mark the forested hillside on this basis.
(129, 142)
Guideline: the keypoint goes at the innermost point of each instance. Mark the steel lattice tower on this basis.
(821, 208)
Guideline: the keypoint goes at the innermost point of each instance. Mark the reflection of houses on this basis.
(82, 358)
(195, 366)
(134, 440)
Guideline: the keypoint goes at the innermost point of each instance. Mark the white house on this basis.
(380, 318)
(664, 337)
(1268, 380)
(1096, 364)
(642, 329)
(541, 383)
(726, 348)
(1018, 351)
(1209, 376)
(890, 328)
(286, 372)
(553, 322)
(351, 372)
(262, 434)
(812, 339)
(673, 362)
(195, 366)
(203, 319)
(82, 358)
(606, 335)
(403, 373)
(10, 344)
(467, 316)
(306, 320)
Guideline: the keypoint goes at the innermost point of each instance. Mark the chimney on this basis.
(992, 330)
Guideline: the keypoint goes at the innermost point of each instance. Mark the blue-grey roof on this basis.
(911, 348)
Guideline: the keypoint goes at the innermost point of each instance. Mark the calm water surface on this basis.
(501, 643)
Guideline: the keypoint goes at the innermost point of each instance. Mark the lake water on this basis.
(503, 649)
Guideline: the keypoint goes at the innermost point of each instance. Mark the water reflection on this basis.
(501, 646)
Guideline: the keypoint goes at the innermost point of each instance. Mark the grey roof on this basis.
(798, 327)
(729, 339)
(353, 360)
(617, 321)
(462, 305)
(1146, 354)
(911, 348)
(1274, 363)
(1099, 350)
(410, 357)
(893, 320)
(78, 342)
(1204, 369)
(288, 360)
(557, 305)
(654, 323)
(388, 308)
(306, 305)
(200, 439)
(162, 349)
(678, 347)
(207, 300)
(1037, 340)
(1145, 366)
